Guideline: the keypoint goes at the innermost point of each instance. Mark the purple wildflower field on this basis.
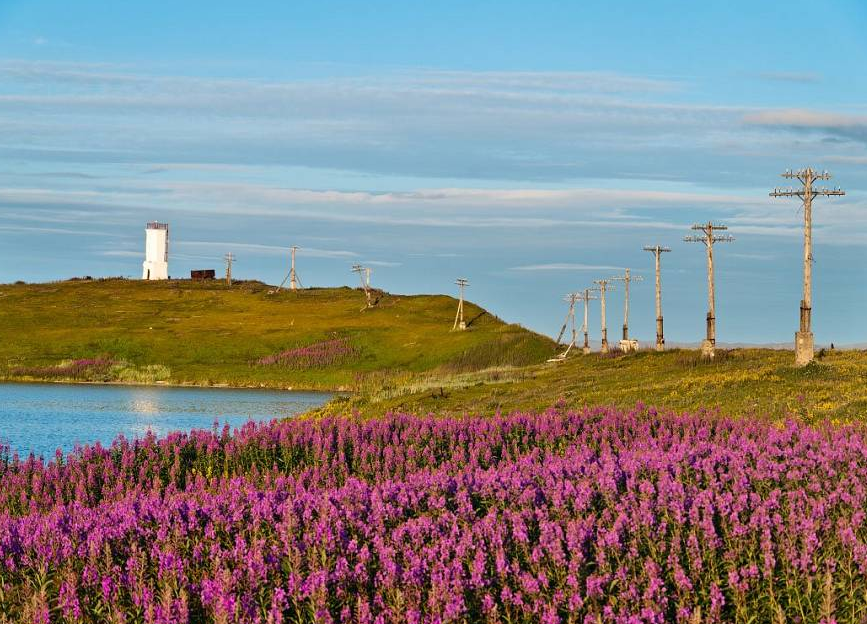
(592, 516)
(316, 355)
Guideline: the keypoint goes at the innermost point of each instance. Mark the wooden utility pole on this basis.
(660, 338)
(571, 299)
(604, 286)
(708, 346)
(627, 345)
(230, 258)
(459, 317)
(293, 276)
(365, 283)
(586, 297)
(807, 177)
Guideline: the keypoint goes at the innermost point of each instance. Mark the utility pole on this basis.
(571, 299)
(230, 258)
(586, 297)
(708, 346)
(365, 283)
(604, 286)
(459, 317)
(627, 345)
(804, 336)
(293, 276)
(660, 337)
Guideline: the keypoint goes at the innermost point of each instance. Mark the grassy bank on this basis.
(206, 333)
(739, 382)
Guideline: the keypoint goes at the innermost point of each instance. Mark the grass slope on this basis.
(740, 382)
(206, 333)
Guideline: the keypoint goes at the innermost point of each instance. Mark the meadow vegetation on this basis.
(559, 517)
(399, 356)
(205, 333)
(740, 382)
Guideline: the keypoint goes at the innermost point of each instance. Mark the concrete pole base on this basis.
(585, 350)
(803, 348)
(604, 349)
(708, 349)
(629, 346)
(660, 346)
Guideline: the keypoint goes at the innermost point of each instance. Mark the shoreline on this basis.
(341, 390)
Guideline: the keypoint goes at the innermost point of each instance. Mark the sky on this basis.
(531, 147)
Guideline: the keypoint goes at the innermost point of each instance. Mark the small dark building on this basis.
(202, 274)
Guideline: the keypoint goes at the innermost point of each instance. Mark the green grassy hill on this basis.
(207, 333)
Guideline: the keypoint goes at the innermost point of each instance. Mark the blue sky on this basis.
(531, 147)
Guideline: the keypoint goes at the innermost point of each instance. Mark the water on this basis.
(43, 417)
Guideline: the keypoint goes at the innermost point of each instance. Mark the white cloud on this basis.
(787, 76)
(259, 249)
(565, 266)
(804, 118)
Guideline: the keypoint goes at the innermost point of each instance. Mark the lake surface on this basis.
(44, 417)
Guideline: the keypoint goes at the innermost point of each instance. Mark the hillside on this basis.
(206, 333)
(741, 382)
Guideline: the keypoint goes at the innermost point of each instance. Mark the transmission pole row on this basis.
(706, 233)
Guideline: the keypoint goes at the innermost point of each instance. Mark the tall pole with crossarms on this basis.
(709, 238)
(660, 337)
(807, 177)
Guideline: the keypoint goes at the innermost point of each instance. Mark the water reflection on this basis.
(144, 405)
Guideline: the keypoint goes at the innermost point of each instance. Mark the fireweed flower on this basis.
(631, 517)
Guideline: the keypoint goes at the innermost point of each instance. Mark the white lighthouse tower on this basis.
(156, 264)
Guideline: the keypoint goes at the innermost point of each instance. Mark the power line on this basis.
(230, 258)
(627, 345)
(708, 346)
(571, 299)
(807, 177)
(459, 317)
(660, 337)
(586, 297)
(293, 276)
(604, 286)
(364, 276)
